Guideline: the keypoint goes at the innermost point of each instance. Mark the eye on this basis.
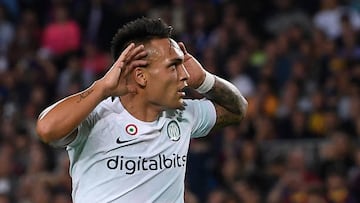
(173, 66)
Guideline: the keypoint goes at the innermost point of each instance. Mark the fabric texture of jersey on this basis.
(118, 158)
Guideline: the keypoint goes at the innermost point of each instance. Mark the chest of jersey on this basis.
(130, 146)
(117, 158)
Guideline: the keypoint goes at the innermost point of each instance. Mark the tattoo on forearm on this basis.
(83, 95)
(227, 95)
(223, 121)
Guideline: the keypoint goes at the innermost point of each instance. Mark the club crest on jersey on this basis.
(173, 130)
(131, 129)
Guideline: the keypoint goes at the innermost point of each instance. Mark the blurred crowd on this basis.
(296, 62)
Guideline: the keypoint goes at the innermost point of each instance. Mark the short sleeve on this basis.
(204, 117)
(84, 129)
(107, 106)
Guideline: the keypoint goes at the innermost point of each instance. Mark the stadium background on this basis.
(297, 63)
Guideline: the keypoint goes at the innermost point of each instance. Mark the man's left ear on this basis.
(140, 76)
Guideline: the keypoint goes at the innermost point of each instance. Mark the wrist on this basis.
(105, 93)
(207, 84)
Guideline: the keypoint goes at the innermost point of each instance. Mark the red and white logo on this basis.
(131, 129)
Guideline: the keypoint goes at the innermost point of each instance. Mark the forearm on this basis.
(230, 105)
(227, 96)
(63, 117)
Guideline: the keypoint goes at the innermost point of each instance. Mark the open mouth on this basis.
(182, 91)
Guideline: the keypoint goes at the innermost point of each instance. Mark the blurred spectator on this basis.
(94, 61)
(12, 7)
(348, 41)
(219, 195)
(290, 188)
(62, 34)
(236, 67)
(197, 182)
(4, 198)
(353, 176)
(330, 15)
(6, 31)
(337, 154)
(72, 79)
(7, 181)
(190, 197)
(247, 193)
(285, 15)
(337, 189)
(27, 38)
(96, 20)
(250, 159)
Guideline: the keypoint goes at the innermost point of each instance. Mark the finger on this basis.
(124, 54)
(116, 68)
(140, 55)
(134, 52)
(135, 64)
(182, 47)
(139, 63)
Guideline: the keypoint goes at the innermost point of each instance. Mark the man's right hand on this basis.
(59, 121)
(115, 81)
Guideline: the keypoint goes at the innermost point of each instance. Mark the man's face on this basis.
(166, 75)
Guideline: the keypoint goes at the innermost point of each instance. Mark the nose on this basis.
(183, 74)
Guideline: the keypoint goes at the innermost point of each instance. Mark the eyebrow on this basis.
(176, 60)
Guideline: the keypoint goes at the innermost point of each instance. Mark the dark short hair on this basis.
(141, 30)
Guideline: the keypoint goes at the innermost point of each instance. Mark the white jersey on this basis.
(118, 158)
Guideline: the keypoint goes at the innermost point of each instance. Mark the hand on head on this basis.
(115, 80)
(193, 67)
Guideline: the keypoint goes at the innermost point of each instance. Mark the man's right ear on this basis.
(140, 76)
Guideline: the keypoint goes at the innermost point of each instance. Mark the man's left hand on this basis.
(194, 68)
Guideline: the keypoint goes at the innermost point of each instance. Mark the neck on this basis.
(139, 108)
